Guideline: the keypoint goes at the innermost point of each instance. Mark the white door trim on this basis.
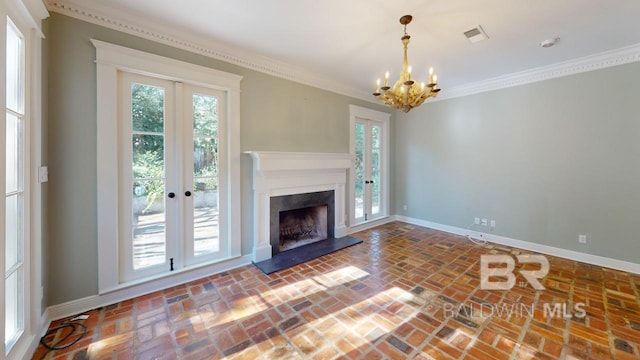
(110, 59)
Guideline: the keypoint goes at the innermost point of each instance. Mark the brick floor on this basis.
(406, 292)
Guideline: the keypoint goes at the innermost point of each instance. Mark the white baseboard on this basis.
(371, 224)
(45, 322)
(526, 245)
(95, 301)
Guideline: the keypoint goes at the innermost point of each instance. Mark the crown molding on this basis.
(228, 53)
(598, 61)
(204, 46)
(36, 9)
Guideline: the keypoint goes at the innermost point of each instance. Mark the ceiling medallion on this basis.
(406, 93)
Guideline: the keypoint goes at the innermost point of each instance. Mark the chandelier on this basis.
(406, 93)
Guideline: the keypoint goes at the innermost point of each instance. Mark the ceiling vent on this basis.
(476, 34)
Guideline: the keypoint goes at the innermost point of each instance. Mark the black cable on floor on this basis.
(56, 346)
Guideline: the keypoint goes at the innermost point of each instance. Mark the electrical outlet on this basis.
(582, 239)
(477, 221)
(484, 222)
(493, 223)
(404, 207)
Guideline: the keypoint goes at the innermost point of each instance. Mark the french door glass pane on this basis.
(205, 115)
(148, 156)
(13, 231)
(375, 137)
(148, 202)
(205, 217)
(205, 157)
(205, 173)
(149, 175)
(375, 170)
(13, 153)
(149, 245)
(13, 324)
(15, 69)
(147, 108)
(359, 170)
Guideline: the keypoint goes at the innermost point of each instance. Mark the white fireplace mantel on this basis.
(288, 173)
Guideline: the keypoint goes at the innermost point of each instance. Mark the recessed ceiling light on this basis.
(476, 34)
(549, 42)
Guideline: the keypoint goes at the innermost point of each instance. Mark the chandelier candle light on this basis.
(406, 93)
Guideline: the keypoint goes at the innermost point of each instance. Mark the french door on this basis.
(369, 172)
(169, 160)
(16, 197)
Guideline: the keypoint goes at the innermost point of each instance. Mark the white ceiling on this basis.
(356, 41)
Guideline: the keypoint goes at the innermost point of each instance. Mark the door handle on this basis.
(366, 181)
(171, 195)
(187, 193)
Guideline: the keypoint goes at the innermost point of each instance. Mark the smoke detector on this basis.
(476, 34)
(549, 42)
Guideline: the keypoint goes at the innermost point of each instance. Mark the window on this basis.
(15, 240)
(169, 150)
(369, 174)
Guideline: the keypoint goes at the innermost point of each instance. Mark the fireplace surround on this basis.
(277, 174)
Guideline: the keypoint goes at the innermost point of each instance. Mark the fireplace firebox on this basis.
(301, 219)
(302, 226)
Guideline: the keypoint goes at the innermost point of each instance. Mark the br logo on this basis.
(532, 276)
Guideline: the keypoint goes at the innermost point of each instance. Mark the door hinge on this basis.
(171, 264)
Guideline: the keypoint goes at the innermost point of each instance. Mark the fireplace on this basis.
(301, 219)
(278, 175)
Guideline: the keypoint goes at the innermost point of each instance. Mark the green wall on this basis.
(548, 161)
(276, 115)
